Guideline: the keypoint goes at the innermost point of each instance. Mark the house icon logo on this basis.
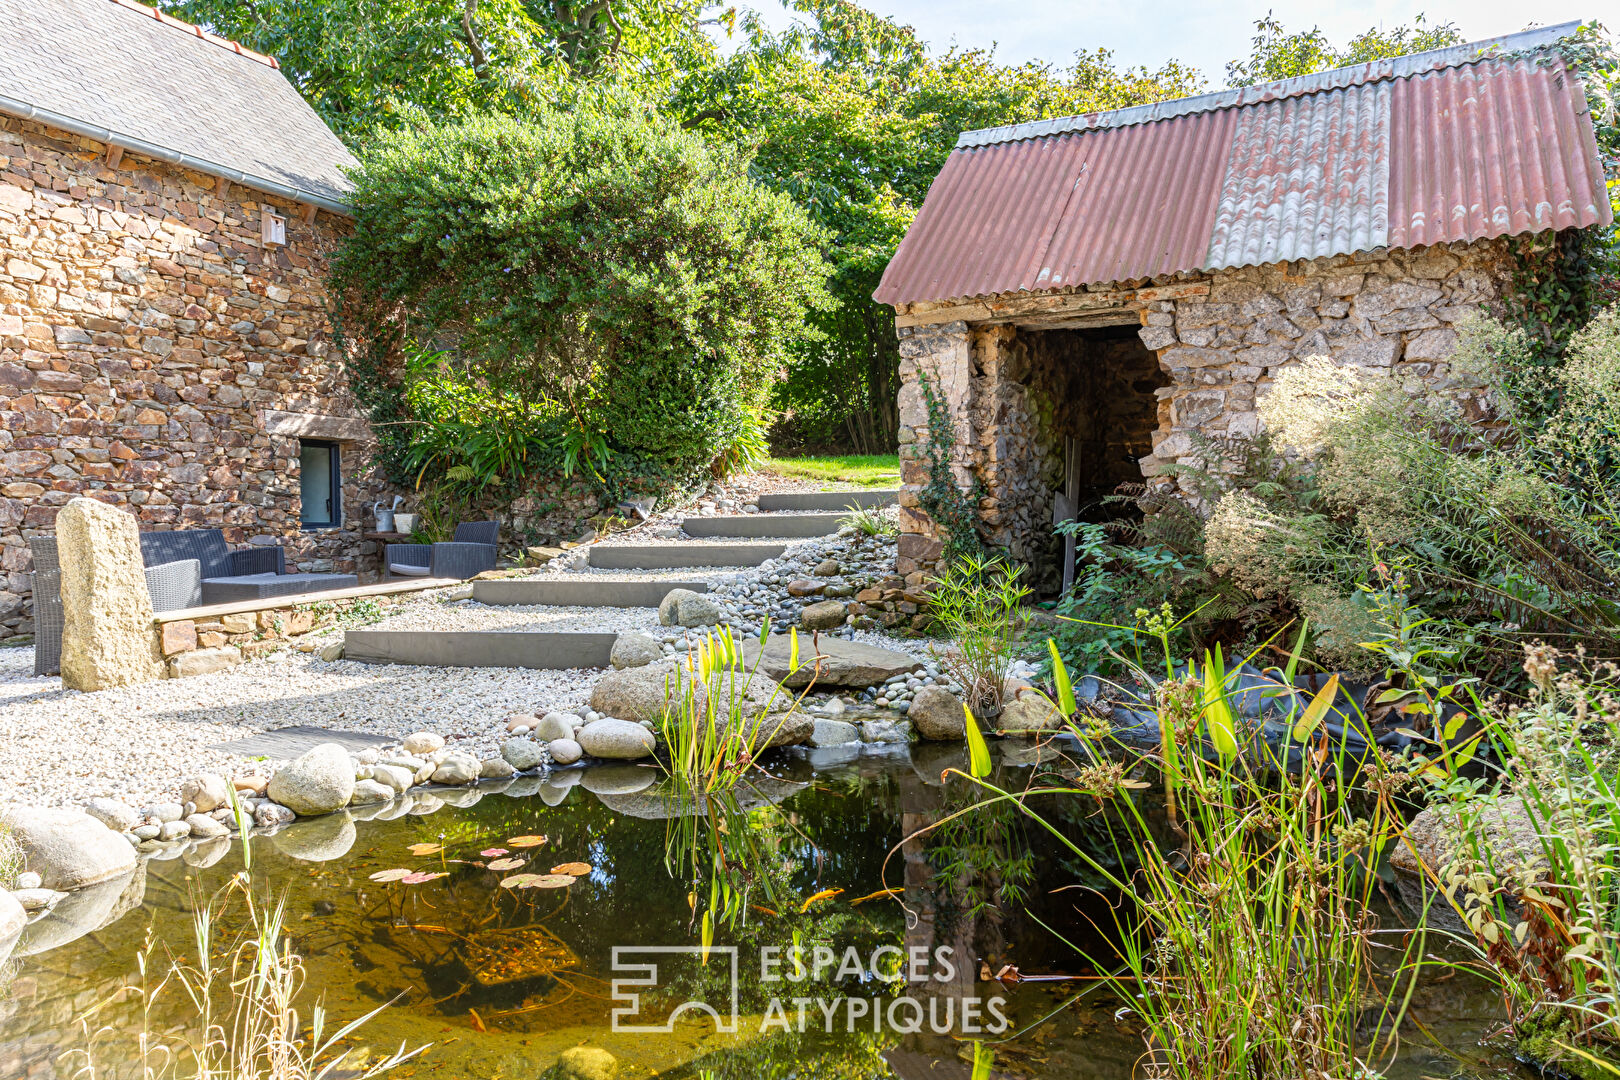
(644, 977)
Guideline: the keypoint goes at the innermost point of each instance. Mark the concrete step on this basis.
(580, 592)
(479, 648)
(795, 525)
(827, 500)
(674, 556)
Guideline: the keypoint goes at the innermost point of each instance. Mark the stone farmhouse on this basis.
(1087, 295)
(167, 203)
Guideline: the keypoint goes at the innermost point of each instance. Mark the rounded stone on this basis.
(635, 650)
(565, 751)
(822, 616)
(68, 849)
(523, 754)
(320, 839)
(205, 791)
(423, 742)
(173, 830)
(937, 714)
(616, 740)
(587, 1063)
(555, 725)
(319, 781)
(370, 791)
(204, 827)
(115, 815)
(495, 769)
(457, 768)
(395, 777)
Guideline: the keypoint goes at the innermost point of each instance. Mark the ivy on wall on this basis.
(955, 511)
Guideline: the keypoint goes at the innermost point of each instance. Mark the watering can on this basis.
(385, 514)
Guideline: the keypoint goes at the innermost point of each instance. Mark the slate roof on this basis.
(1466, 143)
(119, 72)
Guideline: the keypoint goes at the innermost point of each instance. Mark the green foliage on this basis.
(942, 498)
(860, 470)
(370, 65)
(1276, 54)
(976, 603)
(870, 521)
(596, 270)
(852, 118)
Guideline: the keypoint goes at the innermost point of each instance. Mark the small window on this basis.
(272, 227)
(320, 485)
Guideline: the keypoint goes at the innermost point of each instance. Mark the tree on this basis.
(597, 265)
(850, 115)
(1277, 54)
(366, 65)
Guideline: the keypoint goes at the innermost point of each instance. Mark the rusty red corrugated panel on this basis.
(1491, 149)
(1035, 214)
(1334, 164)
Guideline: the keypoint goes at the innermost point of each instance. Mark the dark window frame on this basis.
(334, 457)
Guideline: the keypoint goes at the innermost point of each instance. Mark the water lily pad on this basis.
(526, 841)
(391, 875)
(518, 881)
(490, 853)
(573, 869)
(550, 881)
(419, 878)
(506, 864)
(426, 849)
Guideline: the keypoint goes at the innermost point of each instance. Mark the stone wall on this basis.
(145, 334)
(1220, 339)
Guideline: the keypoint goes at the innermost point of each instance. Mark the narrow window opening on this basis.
(320, 485)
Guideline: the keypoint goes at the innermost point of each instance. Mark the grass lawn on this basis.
(858, 470)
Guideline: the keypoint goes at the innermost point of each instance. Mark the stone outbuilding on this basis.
(1089, 295)
(167, 205)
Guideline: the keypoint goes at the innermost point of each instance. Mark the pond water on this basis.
(501, 980)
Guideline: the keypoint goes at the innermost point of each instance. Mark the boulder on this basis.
(683, 607)
(320, 839)
(587, 1063)
(616, 739)
(822, 616)
(68, 849)
(523, 754)
(204, 827)
(495, 769)
(618, 779)
(117, 816)
(319, 781)
(826, 568)
(423, 742)
(937, 714)
(393, 776)
(565, 751)
(637, 693)
(84, 911)
(635, 650)
(885, 731)
(834, 733)
(12, 919)
(1029, 714)
(457, 768)
(1434, 838)
(206, 791)
(555, 725)
(107, 637)
(842, 663)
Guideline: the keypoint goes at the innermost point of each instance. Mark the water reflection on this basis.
(828, 854)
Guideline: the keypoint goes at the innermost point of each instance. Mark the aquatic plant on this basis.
(975, 603)
(243, 1001)
(1245, 935)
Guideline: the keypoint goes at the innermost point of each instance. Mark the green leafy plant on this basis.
(870, 521)
(954, 510)
(976, 604)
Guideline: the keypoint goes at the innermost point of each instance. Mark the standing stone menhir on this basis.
(107, 637)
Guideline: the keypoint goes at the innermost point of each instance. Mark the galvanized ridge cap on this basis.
(1399, 67)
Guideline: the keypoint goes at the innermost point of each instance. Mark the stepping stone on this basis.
(764, 525)
(479, 648)
(827, 500)
(291, 742)
(620, 594)
(673, 556)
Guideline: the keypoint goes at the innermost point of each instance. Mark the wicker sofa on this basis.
(184, 568)
(469, 554)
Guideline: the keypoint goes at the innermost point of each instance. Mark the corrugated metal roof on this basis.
(1454, 144)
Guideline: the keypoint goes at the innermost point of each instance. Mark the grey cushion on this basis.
(407, 570)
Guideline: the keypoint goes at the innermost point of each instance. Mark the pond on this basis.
(500, 980)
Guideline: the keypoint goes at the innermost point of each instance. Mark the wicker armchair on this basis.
(172, 586)
(468, 555)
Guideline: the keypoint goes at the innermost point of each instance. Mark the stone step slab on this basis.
(676, 556)
(480, 648)
(828, 500)
(795, 525)
(842, 664)
(580, 593)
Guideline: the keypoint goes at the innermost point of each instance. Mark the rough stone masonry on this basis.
(157, 355)
(1220, 339)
